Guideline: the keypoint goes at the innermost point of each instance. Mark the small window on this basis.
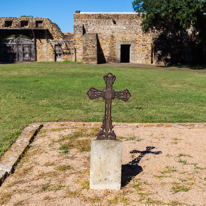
(24, 23)
(39, 23)
(8, 23)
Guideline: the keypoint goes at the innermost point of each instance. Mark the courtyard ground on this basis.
(160, 166)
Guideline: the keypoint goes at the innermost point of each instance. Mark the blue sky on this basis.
(61, 11)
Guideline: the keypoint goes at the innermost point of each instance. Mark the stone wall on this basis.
(40, 29)
(32, 23)
(113, 31)
(90, 49)
(78, 46)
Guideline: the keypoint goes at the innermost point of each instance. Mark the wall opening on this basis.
(58, 53)
(84, 30)
(24, 23)
(125, 53)
(39, 24)
(8, 23)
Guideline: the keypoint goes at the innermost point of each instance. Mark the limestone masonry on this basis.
(97, 38)
(111, 37)
(50, 44)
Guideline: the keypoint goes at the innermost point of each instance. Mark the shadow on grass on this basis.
(193, 67)
(131, 169)
(7, 62)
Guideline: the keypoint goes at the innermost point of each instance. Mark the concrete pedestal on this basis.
(106, 164)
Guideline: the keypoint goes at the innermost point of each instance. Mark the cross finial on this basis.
(108, 94)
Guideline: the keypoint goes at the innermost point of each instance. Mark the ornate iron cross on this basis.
(106, 133)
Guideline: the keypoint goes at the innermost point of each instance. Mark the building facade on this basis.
(97, 38)
(44, 42)
(111, 38)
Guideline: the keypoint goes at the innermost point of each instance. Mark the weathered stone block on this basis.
(106, 164)
(2, 175)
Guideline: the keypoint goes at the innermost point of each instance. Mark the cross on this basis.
(106, 133)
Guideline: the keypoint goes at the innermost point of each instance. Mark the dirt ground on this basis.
(160, 166)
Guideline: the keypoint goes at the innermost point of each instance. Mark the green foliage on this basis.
(63, 167)
(174, 15)
(63, 62)
(85, 184)
(180, 188)
(27, 16)
(17, 35)
(165, 15)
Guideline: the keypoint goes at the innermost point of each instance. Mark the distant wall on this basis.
(113, 30)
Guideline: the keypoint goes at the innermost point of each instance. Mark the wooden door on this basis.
(26, 53)
(20, 52)
(17, 49)
(58, 52)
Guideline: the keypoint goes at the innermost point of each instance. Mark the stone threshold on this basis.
(15, 152)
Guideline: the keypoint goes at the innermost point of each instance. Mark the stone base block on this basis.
(106, 164)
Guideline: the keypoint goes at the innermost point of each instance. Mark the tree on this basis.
(165, 15)
(162, 14)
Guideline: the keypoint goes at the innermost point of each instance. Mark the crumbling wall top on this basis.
(31, 23)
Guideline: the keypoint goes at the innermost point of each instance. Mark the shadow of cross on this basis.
(131, 169)
(142, 154)
(108, 94)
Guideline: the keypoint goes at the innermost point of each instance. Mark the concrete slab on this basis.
(106, 164)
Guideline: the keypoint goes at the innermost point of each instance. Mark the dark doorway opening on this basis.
(125, 53)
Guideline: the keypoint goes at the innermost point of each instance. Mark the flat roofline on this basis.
(9, 17)
(22, 29)
(107, 13)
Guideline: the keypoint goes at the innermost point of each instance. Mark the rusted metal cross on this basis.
(106, 133)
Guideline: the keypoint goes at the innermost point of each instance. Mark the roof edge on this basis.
(107, 13)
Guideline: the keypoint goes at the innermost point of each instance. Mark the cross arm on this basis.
(123, 95)
(94, 93)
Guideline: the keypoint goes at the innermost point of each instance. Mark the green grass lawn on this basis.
(35, 93)
(61, 62)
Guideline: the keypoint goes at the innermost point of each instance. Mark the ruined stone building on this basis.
(44, 42)
(111, 37)
(118, 37)
(97, 38)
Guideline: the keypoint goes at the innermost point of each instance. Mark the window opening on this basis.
(24, 23)
(8, 23)
(39, 24)
(84, 30)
